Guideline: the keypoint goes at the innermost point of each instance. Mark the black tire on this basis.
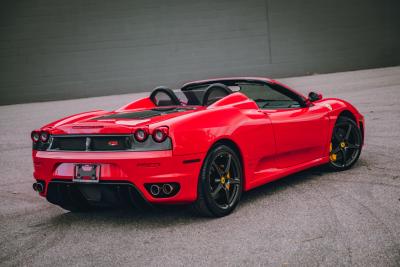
(346, 144)
(216, 184)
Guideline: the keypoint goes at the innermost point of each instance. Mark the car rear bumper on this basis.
(136, 169)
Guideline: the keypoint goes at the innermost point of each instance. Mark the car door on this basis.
(300, 130)
(300, 134)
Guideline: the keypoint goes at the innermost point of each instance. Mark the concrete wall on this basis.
(68, 49)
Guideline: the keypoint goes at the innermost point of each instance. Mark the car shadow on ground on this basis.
(169, 215)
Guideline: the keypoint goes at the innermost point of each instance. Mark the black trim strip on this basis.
(188, 161)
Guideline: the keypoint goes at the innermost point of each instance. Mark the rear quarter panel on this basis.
(249, 129)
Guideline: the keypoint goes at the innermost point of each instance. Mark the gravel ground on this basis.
(312, 218)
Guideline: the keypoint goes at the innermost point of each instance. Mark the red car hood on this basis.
(105, 122)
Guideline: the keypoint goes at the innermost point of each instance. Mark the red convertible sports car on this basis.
(202, 145)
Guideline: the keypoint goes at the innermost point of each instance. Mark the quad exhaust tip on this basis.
(167, 189)
(155, 190)
(38, 187)
(161, 190)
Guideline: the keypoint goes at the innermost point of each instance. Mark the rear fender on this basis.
(250, 130)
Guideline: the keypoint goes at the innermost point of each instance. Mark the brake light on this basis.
(141, 135)
(35, 135)
(44, 136)
(160, 134)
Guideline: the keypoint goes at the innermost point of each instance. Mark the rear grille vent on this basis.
(91, 143)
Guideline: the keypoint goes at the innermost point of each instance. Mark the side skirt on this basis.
(270, 175)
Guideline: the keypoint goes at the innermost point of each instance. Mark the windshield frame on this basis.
(236, 82)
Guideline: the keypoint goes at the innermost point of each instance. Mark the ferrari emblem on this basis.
(113, 143)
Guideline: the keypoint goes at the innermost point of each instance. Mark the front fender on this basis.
(339, 107)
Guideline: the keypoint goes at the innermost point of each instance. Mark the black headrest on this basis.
(167, 91)
(213, 87)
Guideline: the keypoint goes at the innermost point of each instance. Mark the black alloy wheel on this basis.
(220, 183)
(346, 144)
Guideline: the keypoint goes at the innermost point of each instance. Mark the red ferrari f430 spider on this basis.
(202, 145)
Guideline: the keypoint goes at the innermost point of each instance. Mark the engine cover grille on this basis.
(91, 143)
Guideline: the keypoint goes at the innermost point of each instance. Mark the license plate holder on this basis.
(86, 173)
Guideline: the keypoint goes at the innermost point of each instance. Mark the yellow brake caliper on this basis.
(225, 180)
(332, 156)
(228, 176)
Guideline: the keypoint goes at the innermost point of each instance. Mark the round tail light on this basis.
(44, 136)
(141, 135)
(160, 134)
(35, 136)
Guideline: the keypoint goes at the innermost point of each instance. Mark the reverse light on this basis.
(160, 134)
(35, 135)
(141, 135)
(44, 136)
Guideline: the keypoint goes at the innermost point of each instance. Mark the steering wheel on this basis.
(218, 88)
(173, 99)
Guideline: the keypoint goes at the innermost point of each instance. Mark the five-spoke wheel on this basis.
(345, 146)
(220, 182)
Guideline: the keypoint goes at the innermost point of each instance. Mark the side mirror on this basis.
(312, 96)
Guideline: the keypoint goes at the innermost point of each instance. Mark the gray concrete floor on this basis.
(312, 218)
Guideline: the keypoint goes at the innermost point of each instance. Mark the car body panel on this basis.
(299, 134)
